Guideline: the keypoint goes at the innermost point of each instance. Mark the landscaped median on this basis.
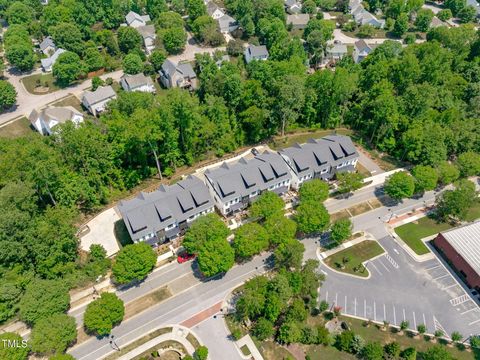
(351, 259)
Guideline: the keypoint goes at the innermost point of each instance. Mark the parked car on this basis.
(185, 257)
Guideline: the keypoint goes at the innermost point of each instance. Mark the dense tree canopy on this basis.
(103, 314)
(250, 239)
(8, 95)
(315, 190)
(267, 205)
(400, 185)
(53, 334)
(11, 352)
(312, 217)
(133, 263)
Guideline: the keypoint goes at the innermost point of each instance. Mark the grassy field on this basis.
(270, 350)
(15, 129)
(70, 100)
(46, 81)
(356, 254)
(413, 232)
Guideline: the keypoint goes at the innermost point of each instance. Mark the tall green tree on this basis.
(8, 95)
(12, 352)
(267, 205)
(103, 314)
(250, 239)
(400, 185)
(312, 217)
(314, 190)
(67, 68)
(133, 263)
(53, 334)
(425, 178)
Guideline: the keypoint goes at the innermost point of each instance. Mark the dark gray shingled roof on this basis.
(316, 154)
(246, 176)
(151, 212)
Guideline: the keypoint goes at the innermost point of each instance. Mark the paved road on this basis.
(26, 102)
(173, 311)
(401, 288)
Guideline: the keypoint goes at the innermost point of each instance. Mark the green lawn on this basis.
(356, 254)
(47, 83)
(15, 129)
(413, 232)
(474, 212)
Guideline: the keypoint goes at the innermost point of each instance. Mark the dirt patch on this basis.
(359, 209)
(137, 306)
(375, 203)
(343, 214)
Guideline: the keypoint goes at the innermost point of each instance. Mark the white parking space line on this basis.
(345, 303)
(474, 322)
(326, 296)
(374, 311)
(380, 261)
(441, 277)
(450, 286)
(414, 321)
(394, 316)
(404, 317)
(424, 321)
(364, 308)
(355, 306)
(336, 299)
(376, 268)
(474, 309)
(384, 312)
(433, 267)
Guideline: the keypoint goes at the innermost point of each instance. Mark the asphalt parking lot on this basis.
(400, 288)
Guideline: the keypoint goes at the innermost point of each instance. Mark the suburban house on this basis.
(161, 215)
(227, 24)
(254, 52)
(45, 120)
(181, 75)
(293, 7)
(461, 247)
(135, 20)
(362, 16)
(361, 50)
(335, 52)
(320, 158)
(96, 101)
(234, 186)
(47, 46)
(298, 21)
(47, 64)
(214, 10)
(475, 5)
(137, 82)
(149, 36)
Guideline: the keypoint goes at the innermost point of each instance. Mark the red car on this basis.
(185, 257)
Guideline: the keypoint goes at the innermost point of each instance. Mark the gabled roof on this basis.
(59, 114)
(101, 94)
(298, 19)
(48, 62)
(247, 176)
(257, 51)
(152, 212)
(168, 68)
(361, 45)
(138, 80)
(225, 22)
(186, 70)
(318, 154)
(337, 49)
(47, 42)
(212, 7)
(132, 16)
(147, 31)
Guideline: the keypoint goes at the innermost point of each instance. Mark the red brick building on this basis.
(461, 247)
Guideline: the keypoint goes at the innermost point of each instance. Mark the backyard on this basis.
(16, 128)
(351, 260)
(413, 233)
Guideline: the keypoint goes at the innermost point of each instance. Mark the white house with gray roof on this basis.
(362, 16)
(45, 120)
(234, 186)
(320, 158)
(96, 101)
(138, 82)
(293, 6)
(335, 52)
(167, 212)
(136, 20)
(298, 21)
(254, 52)
(149, 36)
(47, 46)
(361, 50)
(47, 64)
(181, 75)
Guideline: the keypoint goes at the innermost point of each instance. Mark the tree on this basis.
(61, 357)
(43, 298)
(445, 14)
(195, 9)
(53, 334)
(19, 352)
(69, 37)
(423, 20)
(205, 30)
(103, 314)
(289, 254)
(289, 100)
(96, 82)
(437, 352)
(467, 14)
(289, 332)
(132, 64)
(93, 59)
(425, 178)
(20, 55)
(157, 57)
(173, 39)
(400, 185)
(133, 263)
(250, 239)
(8, 95)
(447, 173)
(349, 182)
(315, 190)
(372, 351)
(421, 328)
(201, 353)
(366, 31)
(235, 47)
(129, 39)
(456, 203)
(202, 230)
(401, 25)
(280, 229)
(341, 230)
(67, 68)
(391, 350)
(409, 354)
(267, 205)
(312, 217)
(454, 5)
(469, 163)
(263, 329)
(19, 13)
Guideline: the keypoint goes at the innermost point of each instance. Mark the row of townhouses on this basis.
(164, 214)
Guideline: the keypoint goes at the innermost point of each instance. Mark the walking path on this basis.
(247, 340)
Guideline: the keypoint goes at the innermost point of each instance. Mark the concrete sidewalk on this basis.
(247, 340)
